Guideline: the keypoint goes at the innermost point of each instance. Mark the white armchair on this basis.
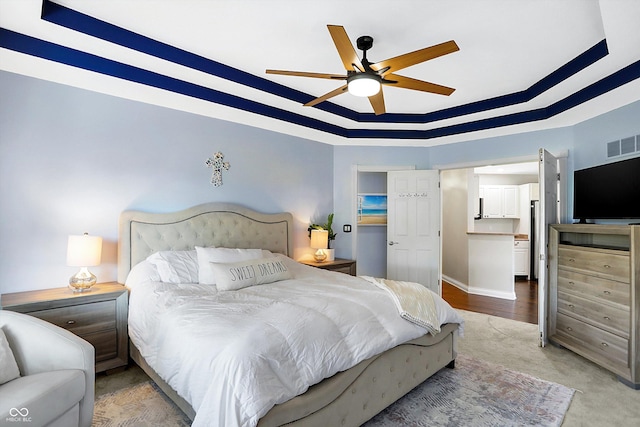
(57, 374)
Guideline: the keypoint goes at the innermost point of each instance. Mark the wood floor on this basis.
(524, 308)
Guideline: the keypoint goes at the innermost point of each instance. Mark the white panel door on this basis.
(413, 227)
(548, 177)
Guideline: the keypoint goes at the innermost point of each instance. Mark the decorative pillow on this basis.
(8, 366)
(206, 256)
(238, 275)
(176, 266)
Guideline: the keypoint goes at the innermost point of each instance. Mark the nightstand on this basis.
(98, 316)
(347, 266)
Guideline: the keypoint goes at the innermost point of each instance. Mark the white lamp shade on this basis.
(319, 239)
(84, 251)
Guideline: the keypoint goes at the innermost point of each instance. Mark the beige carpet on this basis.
(130, 399)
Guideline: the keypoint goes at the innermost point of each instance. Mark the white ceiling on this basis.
(506, 46)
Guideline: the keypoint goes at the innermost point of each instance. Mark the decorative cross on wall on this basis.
(217, 164)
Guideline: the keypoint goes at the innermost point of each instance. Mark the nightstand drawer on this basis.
(346, 269)
(82, 319)
(105, 343)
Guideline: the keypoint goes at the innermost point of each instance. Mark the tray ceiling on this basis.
(522, 65)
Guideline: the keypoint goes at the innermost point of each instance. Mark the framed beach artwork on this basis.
(372, 209)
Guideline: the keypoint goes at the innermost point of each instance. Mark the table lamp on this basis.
(320, 241)
(83, 251)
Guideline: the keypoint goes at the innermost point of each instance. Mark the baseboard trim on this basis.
(450, 280)
(492, 293)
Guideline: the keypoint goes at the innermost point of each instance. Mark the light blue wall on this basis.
(72, 160)
(584, 142)
(592, 135)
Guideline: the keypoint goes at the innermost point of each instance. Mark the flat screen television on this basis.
(610, 191)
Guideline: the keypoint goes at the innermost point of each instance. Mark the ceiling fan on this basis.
(365, 78)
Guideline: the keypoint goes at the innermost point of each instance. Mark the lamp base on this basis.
(320, 255)
(82, 281)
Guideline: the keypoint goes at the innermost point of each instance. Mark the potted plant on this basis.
(332, 235)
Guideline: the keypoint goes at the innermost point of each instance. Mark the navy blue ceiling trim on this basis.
(613, 81)
(50, 51)
(64, 55)
(86, 24)
(77, 21)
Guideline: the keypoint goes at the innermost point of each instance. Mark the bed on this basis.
(358, 389)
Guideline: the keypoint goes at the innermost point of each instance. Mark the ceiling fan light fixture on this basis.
(363, 84)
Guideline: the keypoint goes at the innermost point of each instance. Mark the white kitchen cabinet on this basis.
(500, 201)
(521, 257)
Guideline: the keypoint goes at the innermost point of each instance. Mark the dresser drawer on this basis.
(595, 342)
(82, 319)
(595, 287)
(605, 263)
(610, 318)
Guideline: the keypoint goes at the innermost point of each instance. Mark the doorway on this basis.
(463, 211)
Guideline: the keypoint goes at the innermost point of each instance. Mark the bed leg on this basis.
(452, 364)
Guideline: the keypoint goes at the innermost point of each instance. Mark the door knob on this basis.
(391, 243)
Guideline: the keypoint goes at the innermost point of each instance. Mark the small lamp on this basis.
(320, 241)
(83, 251)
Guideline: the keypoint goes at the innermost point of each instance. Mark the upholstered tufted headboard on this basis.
(211, 224)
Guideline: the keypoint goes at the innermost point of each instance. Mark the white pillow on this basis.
(238, 275)
(176, 266)
(206, 256)
(8, 366)
(143, 271)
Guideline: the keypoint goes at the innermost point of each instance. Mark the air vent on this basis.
(613, 149)
(628, 145)
(623, 146)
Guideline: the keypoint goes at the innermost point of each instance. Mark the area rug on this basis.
(141, 405)
(478, 393)
(475, 393)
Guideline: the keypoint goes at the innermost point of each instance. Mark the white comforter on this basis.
(233, 355)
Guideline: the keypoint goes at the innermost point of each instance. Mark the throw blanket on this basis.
(414, 302)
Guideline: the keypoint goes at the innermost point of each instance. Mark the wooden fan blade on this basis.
(306, 74)
(340, 90)
(408, 59)
(346, 51)
(414, 84)
(377, 102)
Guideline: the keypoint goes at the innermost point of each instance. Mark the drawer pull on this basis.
(569, 328)
(604, 344)
(71, 322)
(572, 260)
(606, 266)
(606, 318)
(607, 292)
(571, 306)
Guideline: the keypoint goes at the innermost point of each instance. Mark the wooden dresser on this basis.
(99, 316)
(594, 302)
